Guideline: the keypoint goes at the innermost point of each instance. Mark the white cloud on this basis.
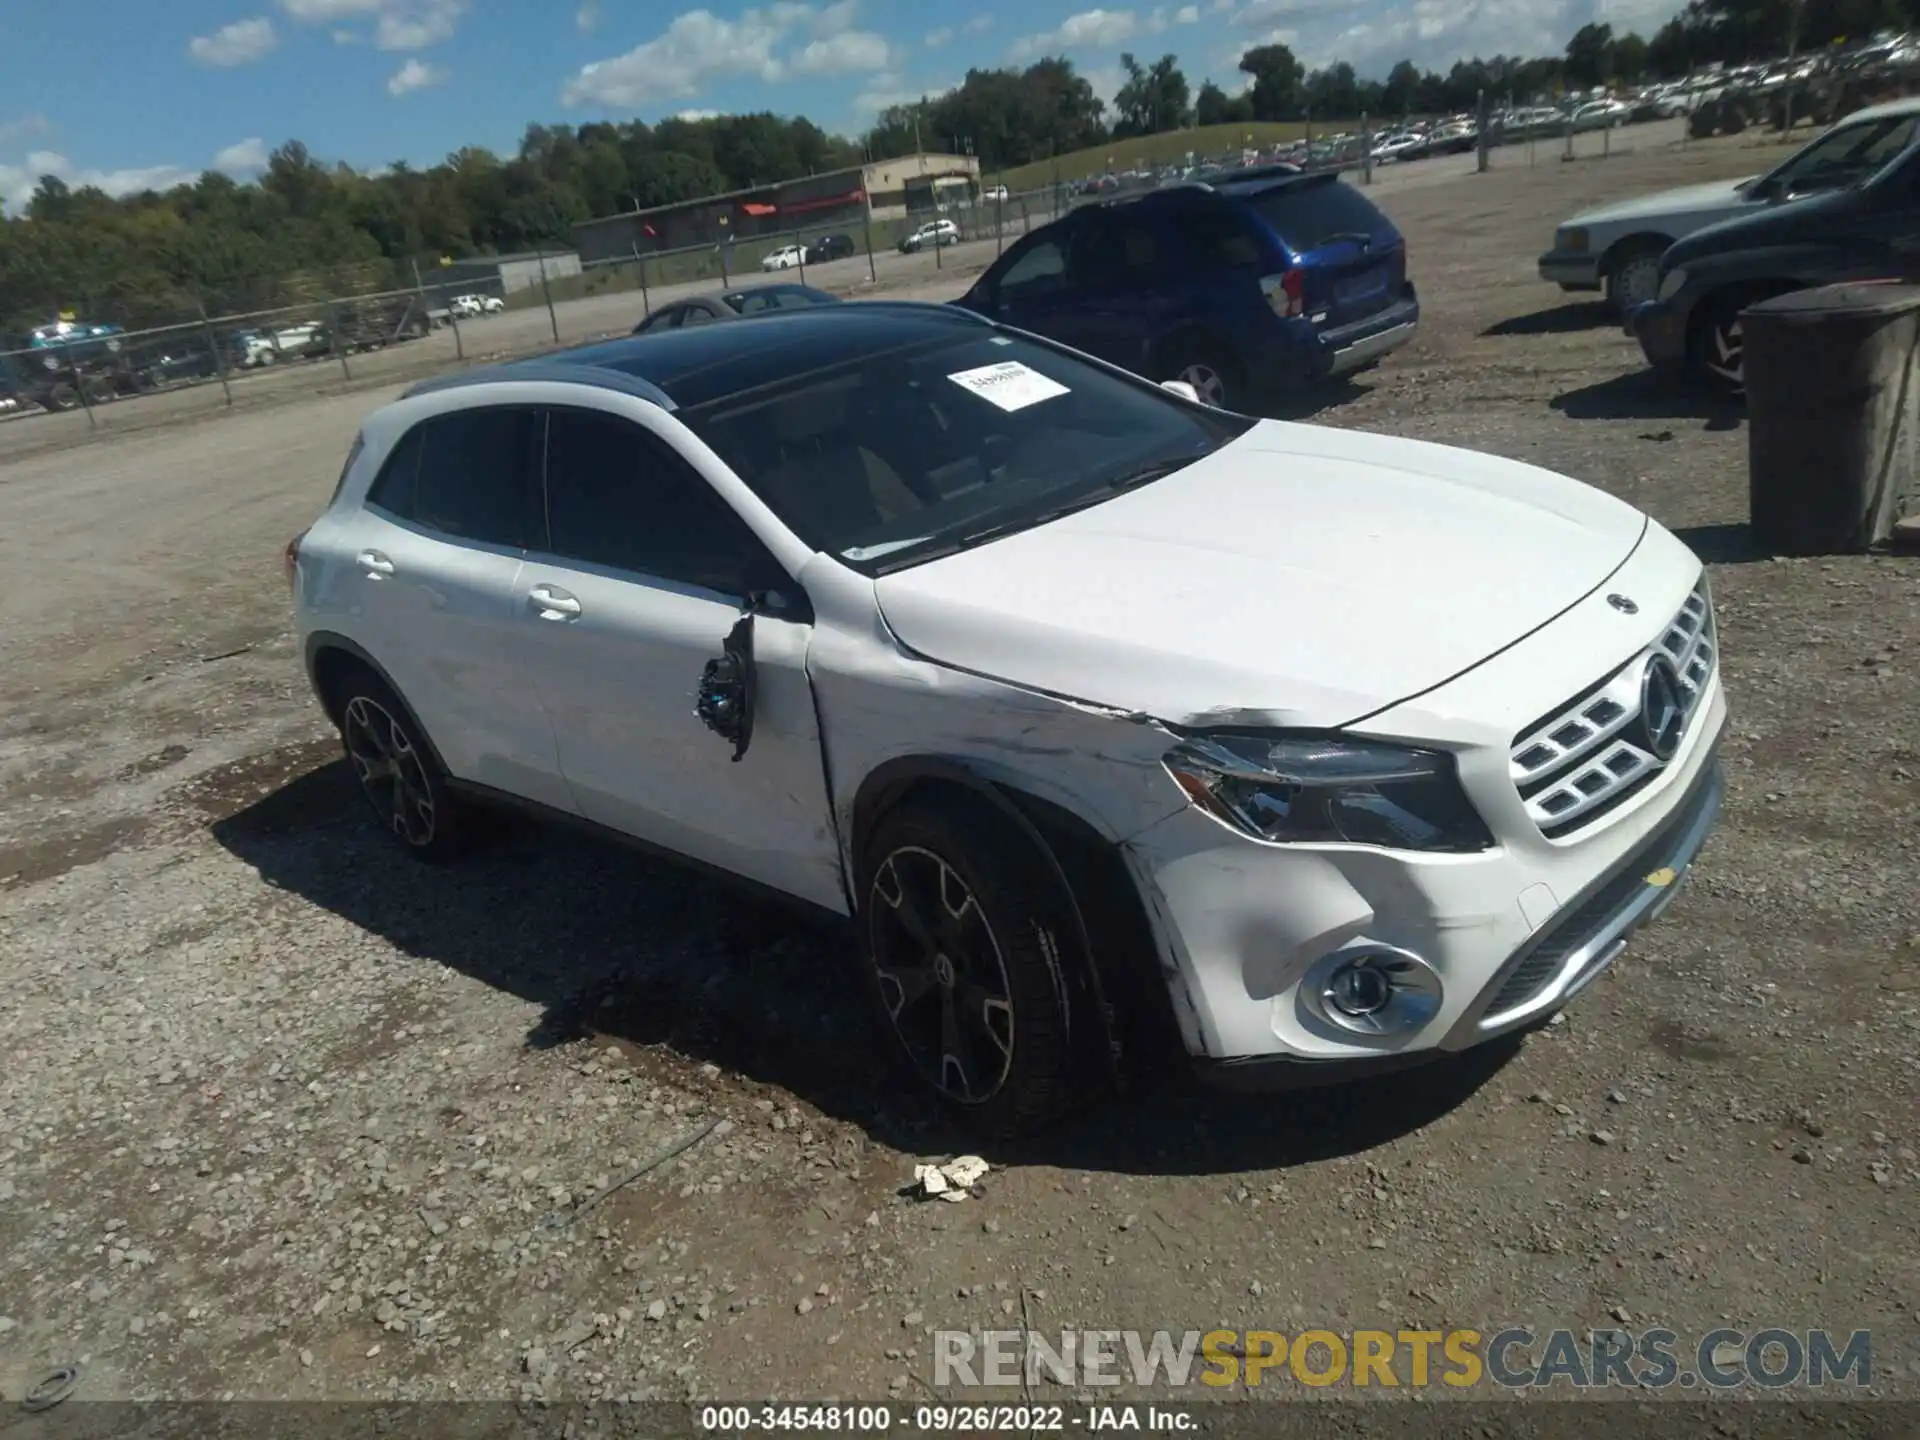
(412, 76)
(697, 48)
(1376, 34)
(588, 15)
(1187, 15)
(937, 38)
(1089, 30)
(848, 52)
(243, 157)
(397, 24)
(978, 25)
(18, 182)
(885, 91)
(694, 117)
(834, 18)
(240, 43)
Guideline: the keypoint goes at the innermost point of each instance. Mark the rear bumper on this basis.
(1569, 271)
(1297, 355)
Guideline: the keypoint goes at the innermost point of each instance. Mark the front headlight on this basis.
(1330, 790)
(1671, 282)
(1572, 241)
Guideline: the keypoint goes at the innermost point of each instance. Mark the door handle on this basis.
(377, 566)
(553, 603)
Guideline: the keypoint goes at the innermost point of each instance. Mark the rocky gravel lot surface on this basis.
(286, 1116)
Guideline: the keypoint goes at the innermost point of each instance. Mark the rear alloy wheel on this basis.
(963, 943)
(397, 772)
(1633, 282)
(1212, 376)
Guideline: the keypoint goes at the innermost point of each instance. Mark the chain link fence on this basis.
(403, 319)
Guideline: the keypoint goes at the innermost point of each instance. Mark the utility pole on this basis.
(916, 130)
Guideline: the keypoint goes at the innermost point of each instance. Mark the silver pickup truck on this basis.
(1618, 247)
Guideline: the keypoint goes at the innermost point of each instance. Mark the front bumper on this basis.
(1661, 328)
(1250, 933)
(1571, 271)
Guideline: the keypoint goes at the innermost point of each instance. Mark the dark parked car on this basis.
(1869, 231)
(732, 305)
(1244, 288)
(829, 247)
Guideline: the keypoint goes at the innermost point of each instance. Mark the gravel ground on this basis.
(285, 1118)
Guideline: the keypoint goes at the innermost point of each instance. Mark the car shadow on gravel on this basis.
(1645, 395)
(1566, 319)
(1725, 544)
(1314, 400)
(682, 971)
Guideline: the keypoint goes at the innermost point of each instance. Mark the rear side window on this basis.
(471, 475)
(1113, 252)
(1217, 236)
(1309, 216)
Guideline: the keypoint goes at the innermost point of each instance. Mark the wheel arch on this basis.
(1640, 242)
(332, 657)
(1116, 962)
(1194, 334)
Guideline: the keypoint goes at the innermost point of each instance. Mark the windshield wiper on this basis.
(1132, 479)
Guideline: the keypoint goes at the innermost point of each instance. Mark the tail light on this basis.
(1286, 292)
(291, 559)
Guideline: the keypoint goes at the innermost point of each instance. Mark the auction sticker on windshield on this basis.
(1010, 385)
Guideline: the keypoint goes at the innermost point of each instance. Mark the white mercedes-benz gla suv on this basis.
(1111, 720)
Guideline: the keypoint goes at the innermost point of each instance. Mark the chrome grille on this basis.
(1574, 765)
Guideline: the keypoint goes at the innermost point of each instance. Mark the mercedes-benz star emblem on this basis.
(1624, 605)
(1663, 712)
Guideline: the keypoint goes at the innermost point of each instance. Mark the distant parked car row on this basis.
(812, 252)
(1678, 267)
(465, 306)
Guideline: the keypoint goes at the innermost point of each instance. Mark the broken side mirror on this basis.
(725, 699)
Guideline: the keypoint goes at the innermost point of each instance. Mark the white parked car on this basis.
(289, 342)
(466, 305)
(1018, 662)
(994, 194)
(1619, 246)
(787, 257)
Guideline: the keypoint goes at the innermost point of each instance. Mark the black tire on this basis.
(396, 768)
(964, 940)
(1195, 360)
(1716, 346)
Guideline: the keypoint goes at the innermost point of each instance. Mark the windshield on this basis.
(1845, 156)
(903, 455)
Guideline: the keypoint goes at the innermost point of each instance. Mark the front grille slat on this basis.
(1587, 757)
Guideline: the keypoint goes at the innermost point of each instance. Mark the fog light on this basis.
(1359, 988)
(1374, 989)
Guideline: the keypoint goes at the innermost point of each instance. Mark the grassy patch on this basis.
(1205, 141)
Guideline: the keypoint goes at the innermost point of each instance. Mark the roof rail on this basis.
(543, 368)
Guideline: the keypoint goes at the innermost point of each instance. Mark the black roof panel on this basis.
(711, 362)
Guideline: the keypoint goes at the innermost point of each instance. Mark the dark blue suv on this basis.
(1245, 289)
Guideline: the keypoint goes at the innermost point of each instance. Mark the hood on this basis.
(1300, 576)
(1703, 202)
(1818, 217)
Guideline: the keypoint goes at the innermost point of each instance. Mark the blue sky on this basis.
(130, 93)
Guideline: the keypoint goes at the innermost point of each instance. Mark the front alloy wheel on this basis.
(972, 967)
(391, 770)
(941, 974)
(1723, 354)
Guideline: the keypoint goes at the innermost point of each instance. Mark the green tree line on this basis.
(227, 245)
